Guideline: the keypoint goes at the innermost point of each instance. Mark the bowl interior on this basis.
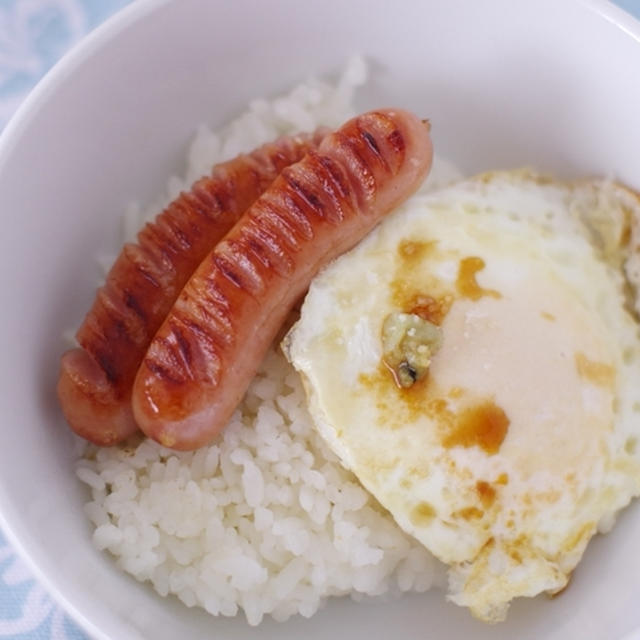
(504, 85)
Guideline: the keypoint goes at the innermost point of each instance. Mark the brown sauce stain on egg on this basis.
(413, 251)
(381, 385)
(484, 425)
(598, 373)
(428, 308)
(486, 493)
(518, 548)
(548, 316)
(625, 236)
(469, 513)
(466, 283)
(403, 406)
(413, 290)
(515, 556)
(422, 514)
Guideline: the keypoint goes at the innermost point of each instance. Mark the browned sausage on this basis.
(95, 380)
(200, 363)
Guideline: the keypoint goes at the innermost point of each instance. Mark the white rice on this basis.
(266, 519)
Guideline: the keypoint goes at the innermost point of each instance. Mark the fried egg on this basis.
(475, 361)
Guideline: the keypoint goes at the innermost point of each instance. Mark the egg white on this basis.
(522, 440)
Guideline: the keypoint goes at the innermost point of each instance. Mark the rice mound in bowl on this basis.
(265, 519)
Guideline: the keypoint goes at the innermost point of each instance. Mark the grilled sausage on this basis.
(204, 356)
(95, 380)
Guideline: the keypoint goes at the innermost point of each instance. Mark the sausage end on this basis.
(89, 402)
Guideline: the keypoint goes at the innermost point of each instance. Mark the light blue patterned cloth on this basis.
(33, 35)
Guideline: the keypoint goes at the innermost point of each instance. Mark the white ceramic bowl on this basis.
(504, 82)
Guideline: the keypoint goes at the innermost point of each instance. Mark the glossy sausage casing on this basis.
(202, 360)
(95, 380)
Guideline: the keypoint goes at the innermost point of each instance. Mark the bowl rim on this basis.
(121, 20)
(9, 138)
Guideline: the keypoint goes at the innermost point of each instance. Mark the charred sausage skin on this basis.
(95, 380)
(205, 354)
